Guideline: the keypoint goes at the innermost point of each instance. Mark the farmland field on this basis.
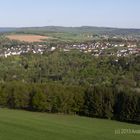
(23, 125)
(27, 38)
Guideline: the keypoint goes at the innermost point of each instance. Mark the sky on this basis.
(102, 13)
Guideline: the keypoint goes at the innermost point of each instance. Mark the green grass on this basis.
(23, 125)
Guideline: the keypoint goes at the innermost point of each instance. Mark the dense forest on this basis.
(72, 83)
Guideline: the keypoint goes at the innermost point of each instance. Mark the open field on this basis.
(27, 38)
(22, 125)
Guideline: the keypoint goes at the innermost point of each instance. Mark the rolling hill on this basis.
(82, 29)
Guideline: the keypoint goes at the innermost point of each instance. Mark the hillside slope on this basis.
(22, 125)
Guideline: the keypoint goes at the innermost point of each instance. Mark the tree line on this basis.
(95, 101)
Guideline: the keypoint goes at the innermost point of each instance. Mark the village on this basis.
(95, 48)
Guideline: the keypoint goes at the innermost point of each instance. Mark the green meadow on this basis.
(24, 125)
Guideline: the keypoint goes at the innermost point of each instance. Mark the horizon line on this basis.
(113, 27)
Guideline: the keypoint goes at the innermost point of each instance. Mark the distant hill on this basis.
(2, 30)
(82, 29)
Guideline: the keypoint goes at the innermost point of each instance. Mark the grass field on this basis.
(26, 38)
(22, 125)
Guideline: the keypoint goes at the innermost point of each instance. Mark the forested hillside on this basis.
(72, 83)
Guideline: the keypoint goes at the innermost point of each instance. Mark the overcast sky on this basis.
(109, 13)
